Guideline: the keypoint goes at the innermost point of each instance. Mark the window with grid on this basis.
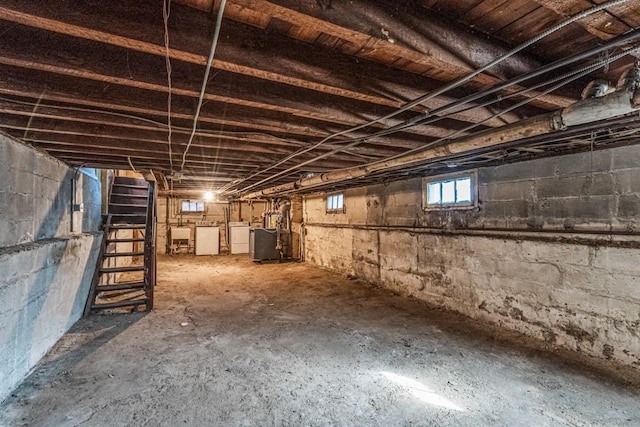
(335, 203)
(451, 191)
(189, 206)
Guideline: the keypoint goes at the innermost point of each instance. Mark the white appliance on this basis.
(180, 236)
(180, 233)
(207, 240)
(239, 236)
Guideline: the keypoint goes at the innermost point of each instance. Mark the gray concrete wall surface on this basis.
(47, 254)
(531, 257)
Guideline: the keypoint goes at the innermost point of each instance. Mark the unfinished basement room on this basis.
(320, 213)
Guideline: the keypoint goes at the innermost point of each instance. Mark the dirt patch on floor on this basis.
(235, 343)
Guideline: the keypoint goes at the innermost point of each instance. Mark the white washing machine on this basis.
(207, 240)
(239, 237)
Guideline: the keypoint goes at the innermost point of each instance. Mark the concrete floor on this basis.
(234, 343)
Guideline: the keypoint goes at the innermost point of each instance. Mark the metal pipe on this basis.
(424, 118)
(590, 110)
(622, 102)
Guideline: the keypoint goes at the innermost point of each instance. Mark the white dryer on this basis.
(239, 237)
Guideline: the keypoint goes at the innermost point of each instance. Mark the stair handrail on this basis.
(150, 246)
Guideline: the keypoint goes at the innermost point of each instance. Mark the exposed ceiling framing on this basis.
(87, 82)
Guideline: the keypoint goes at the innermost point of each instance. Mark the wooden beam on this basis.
(406, 25)
(84, 142)
(36, 85)
(156, 139)
(605, 24)
(38, 19)
(194, 171)
(291, 65)
(141, 161)
(357, 27)
(255, 143)
(427, 131)
(32, 49)
(105, 153)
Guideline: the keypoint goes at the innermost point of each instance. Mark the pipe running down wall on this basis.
(622, 102)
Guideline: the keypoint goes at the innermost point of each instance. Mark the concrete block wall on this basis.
(47, 254)
(589, 191)
(530, 258)
(43, 289)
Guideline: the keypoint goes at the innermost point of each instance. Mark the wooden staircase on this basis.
(126, 272)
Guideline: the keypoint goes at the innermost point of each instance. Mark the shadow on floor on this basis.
(79, 343)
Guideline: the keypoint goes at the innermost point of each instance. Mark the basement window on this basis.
(189, 206)
(458, 191)
(335, 203)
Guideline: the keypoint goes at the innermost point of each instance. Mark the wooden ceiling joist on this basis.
(86, 80)
(252, 57)
(132, 70)
(604, 25)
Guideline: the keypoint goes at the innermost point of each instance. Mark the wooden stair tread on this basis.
(117, 218)
(128, 205)
(128, 240)
(129, 195)
(120, 286)
(127, 226)
(132, 203)
(117, 254)
(118, 304)
(128, 268)
(129, 180)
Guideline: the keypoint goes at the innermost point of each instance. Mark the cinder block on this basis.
(407, 186)
(498, 191)
(42, 284)
(20, 157)
(547, 274)
(580, 163)
(593, 208)
(627, 181)
(559, 254)
(626, 157)
(575, 186)
(516, 172)
(508, 209)
(629, 206)
(20, 206)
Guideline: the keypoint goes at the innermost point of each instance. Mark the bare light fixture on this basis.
(208, 196)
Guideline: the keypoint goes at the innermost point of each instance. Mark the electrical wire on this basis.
(150, 121)
(32, 115)
(214, 43)
(456, 83)
(166, 12)
(608, 59)
(131, 164)
(564, 79)
(561, 83)
(404, 108)
(462, 80)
